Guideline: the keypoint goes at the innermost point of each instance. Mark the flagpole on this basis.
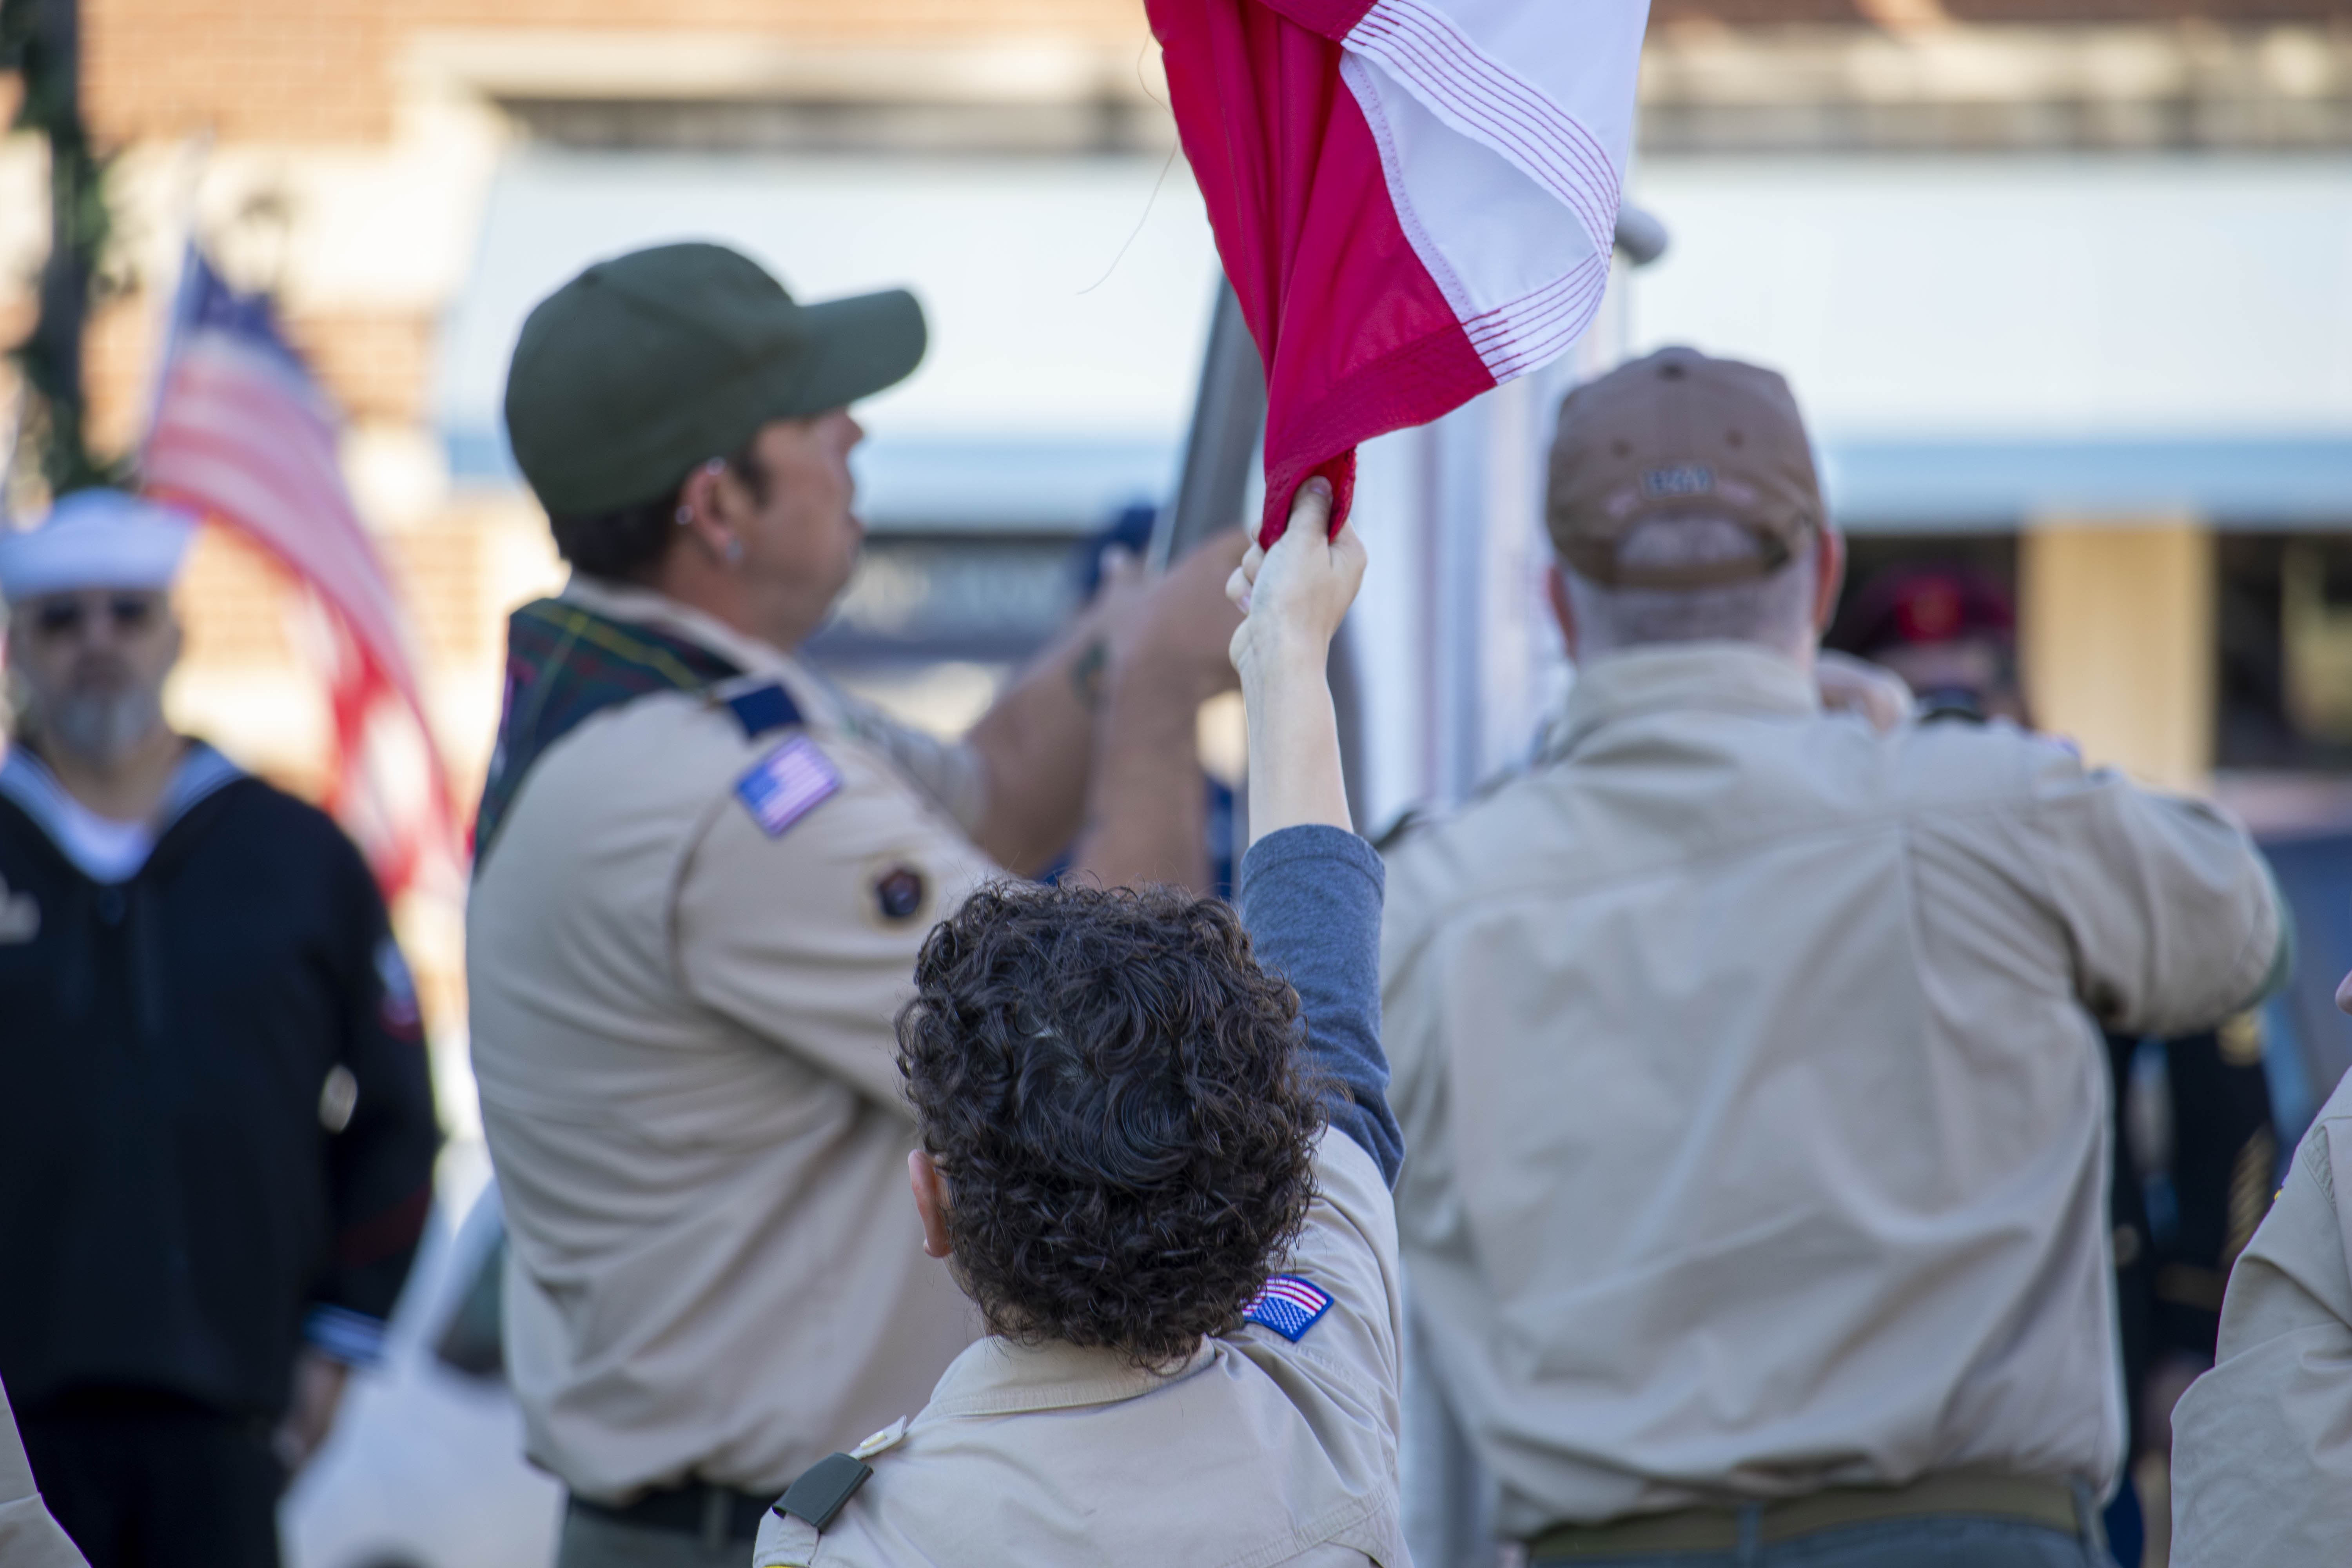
(1228, 422)
(1228, 417)
(184, 277)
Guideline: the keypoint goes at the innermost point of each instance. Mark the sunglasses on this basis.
(131, 613)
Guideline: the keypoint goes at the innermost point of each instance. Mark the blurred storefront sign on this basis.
(2122, 361)
(1944, 486)
(2057, 317)
(1067, 298)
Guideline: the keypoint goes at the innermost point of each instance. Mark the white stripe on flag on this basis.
(1505, 178)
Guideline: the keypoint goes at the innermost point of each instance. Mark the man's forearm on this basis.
(1037, 744)
(1121, 690)
(1145, 818)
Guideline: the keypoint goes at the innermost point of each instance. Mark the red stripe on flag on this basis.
(1356, 337)
(243, 438)
(1333, 18)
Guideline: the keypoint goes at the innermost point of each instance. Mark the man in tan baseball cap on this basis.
(1746, 1048)
(1680, 473)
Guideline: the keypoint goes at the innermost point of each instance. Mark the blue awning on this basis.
(1945, 486)
(1067, 298)
(1000, 483)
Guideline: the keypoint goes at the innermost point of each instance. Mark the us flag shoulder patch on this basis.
(1289, 1305)
(787, 785)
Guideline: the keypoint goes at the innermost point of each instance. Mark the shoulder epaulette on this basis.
(823, 1489)
(763, 707)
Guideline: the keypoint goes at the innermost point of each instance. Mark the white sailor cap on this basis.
(94, 539)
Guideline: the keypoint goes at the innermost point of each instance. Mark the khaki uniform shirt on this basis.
(1257, 1452)
(682, 1030)
(1757, 1115)
(2262, 1446)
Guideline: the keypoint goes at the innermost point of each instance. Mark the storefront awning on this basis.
(1067, 297)
(1983, 340)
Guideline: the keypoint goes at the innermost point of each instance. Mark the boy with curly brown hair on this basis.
(1157, 1152)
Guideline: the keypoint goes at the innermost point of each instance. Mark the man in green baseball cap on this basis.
(703, 873)
(632, 372)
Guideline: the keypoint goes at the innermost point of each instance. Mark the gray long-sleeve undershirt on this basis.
(1311, 898)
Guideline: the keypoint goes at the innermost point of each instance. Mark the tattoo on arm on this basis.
(1087, 673)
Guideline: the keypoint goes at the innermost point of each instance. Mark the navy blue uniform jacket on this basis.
(174, 1207)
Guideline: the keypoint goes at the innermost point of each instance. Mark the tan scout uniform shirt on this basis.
(2262, 1446)
(1758, 1121)
(682, 1032)
(1258, 1452)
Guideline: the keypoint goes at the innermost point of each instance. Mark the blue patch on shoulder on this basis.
(763, 707)
(1289, 1305)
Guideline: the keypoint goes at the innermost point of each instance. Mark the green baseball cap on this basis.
(643, 366)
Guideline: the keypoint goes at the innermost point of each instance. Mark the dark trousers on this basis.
(146, 1481)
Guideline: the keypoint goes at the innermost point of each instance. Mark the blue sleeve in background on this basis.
(1311, 900)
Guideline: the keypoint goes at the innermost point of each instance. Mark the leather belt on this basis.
(1973, 1494)
(716, 1514)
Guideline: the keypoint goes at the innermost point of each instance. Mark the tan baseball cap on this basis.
(1680, 434)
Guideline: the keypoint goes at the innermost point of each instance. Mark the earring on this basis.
(734, 551)
(685, 516)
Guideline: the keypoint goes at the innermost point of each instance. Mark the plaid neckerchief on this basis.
(565, 663)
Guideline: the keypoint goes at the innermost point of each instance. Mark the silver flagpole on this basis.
(1228, 422)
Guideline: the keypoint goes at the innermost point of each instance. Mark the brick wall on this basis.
(275, 70)
(322, 71)
(232, 599)
(117, 362)
(1847, 13)
(441, 575)
(2094, 11)
(377, 365)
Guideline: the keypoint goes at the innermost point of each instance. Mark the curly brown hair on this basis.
(1113, 1089)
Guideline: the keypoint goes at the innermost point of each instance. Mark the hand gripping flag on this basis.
(1415, 200)
(242, 437)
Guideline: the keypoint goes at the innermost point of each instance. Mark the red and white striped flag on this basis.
(1415, 200)
(242, 437)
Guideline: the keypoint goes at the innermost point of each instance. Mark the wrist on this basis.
(1279, 656)
(1153, 669)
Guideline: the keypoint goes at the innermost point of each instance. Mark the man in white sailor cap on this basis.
(217, 1146)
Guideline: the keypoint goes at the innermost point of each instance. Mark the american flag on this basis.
(244, 437)
(1415, 200)
(1289, 1305)
(788, 784)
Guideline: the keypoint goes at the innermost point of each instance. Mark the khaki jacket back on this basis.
(1749, 1066)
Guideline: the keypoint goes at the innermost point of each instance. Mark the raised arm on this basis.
(1291, 599)
(2175, 920)
(1310, 890)
(1095, 743)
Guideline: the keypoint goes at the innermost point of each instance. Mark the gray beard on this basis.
(100, 729)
